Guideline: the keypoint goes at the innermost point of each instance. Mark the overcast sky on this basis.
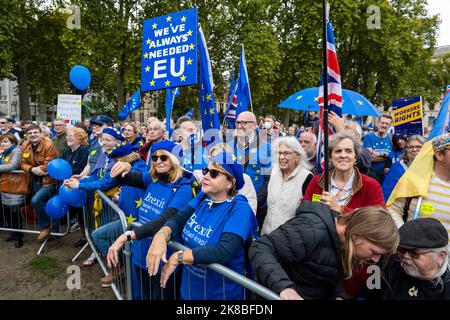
(441, 7)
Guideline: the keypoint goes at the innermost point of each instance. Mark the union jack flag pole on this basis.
(325, 92)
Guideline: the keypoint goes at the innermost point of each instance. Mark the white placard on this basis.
(69, 108)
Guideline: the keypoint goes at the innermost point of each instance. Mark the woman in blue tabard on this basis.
(115, 149)
(131, 133)
(216, 226)
(168, 190)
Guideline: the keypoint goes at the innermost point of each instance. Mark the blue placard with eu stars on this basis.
(169, 51)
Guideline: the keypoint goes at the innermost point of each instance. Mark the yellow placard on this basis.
(26, 155)
(316, 197)
(427, 208)
(407, 114)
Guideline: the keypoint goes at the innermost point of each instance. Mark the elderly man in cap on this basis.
(424, 189)
(421, 269)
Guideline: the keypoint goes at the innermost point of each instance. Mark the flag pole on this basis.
(325, 94)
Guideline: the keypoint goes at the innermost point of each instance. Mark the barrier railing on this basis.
(18, 214)
(103, 224)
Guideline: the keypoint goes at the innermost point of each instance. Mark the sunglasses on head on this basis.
(213, 173)
(163, 157)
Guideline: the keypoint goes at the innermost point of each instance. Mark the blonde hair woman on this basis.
(168, 190)
(308, 256)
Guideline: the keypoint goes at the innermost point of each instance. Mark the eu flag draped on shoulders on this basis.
(230, 113)
(442, 122)
(171, 95)
(131, 105)
(210, 118)
(243, 96)
(334, 90)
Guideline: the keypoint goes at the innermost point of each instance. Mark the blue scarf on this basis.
(5, 153)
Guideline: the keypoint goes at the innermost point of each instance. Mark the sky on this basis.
(441, 7)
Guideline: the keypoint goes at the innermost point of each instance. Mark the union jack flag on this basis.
(334, 91)
(230, 113)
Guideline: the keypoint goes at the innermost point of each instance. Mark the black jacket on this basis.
(303, 254)
(77, 159)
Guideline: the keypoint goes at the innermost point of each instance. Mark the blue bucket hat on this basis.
(102, 119)
(120, 150)
(116, 133)
(229, 162)
(168, 146)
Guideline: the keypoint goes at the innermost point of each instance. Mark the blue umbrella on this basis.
(353, 102)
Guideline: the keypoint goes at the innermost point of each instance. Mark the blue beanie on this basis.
(169, 146)
(116, 133)
(229, 163)
(120, 150)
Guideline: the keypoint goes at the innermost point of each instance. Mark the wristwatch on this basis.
(180, 257)
(128, 235)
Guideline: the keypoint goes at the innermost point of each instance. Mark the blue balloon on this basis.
(55, 208)
(59, 169)
(72, 197)
(80, 77)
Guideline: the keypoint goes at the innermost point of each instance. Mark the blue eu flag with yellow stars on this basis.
(131, 105)
(210, 118)
(243, 95)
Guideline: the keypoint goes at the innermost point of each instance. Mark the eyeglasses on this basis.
(286, 154)
(163, 158)
(412, 252)
(243, 123)
(414, 147)
(213, 173)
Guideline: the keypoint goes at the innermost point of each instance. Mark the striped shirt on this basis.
(435, 205)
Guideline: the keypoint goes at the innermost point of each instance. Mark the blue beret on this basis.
(229, 162)
(169, 146)
(116, 133)
(102, 119)
(120, 150)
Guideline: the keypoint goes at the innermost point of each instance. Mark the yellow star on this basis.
(138, 203)
(299, 97)
(183, 19)
(233, 157)
(154, 26)
(167, 83)
(169, 18)
(316, 99)
(210, 124)
(146, 55)
(189, 33)
(148, 41)
(189, 61)
(152, 83)
(147, 68)
(211, 111)
(130, 219)
(208, 97)
(192, 46)
(360, 102)
(183, 78)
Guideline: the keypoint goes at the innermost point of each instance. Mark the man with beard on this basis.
(308, 140)
(421, 269)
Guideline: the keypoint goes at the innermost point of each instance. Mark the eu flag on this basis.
(131, 105)
(210, 118)
(170, 99)
(243, 96)
(442, 122)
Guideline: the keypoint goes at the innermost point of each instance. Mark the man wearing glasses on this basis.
(60, 140)
(420, 271)
(254, 155)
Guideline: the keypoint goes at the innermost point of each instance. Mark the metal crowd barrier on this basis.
(125, 287)
(18, 215)
(101, 231)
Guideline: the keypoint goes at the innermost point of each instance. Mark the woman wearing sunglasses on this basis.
(168, 190)
(215, 226)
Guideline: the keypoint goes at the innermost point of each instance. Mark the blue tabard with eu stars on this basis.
(204, 228)
(157, 198)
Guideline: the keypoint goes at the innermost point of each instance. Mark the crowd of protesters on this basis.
(253, 200)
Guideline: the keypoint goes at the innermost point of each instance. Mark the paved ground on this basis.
(17, 281)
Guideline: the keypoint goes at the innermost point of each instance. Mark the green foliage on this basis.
(282, 41)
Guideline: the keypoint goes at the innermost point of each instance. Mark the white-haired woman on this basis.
(288, 182)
